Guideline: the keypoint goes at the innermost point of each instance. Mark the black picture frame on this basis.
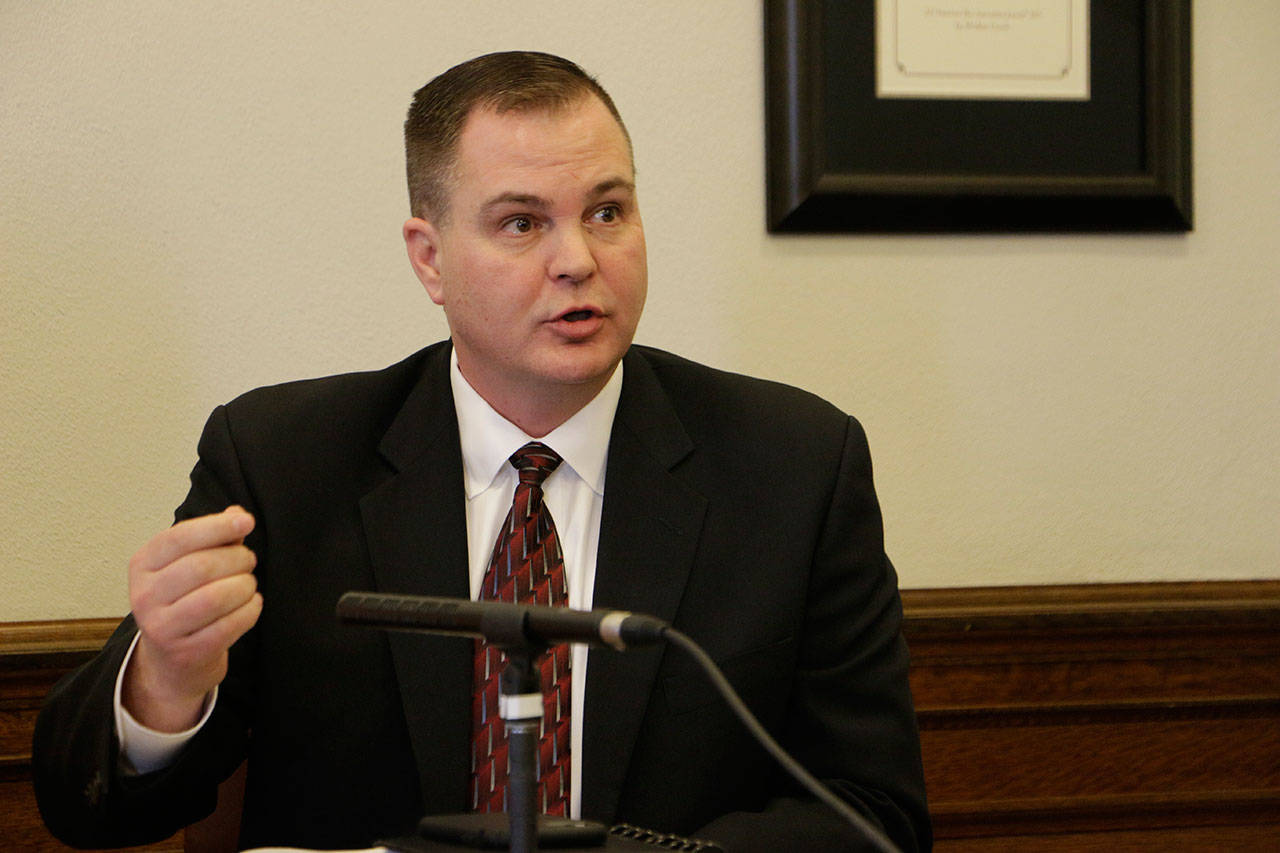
(839, 159)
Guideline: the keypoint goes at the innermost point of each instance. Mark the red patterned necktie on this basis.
(526, 568)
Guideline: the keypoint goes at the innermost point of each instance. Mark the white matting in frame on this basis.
(990, 49)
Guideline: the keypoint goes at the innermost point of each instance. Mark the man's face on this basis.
(540, 265)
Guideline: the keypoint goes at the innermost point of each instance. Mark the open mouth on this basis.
(576, 316)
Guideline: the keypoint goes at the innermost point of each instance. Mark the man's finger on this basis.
(190, 572)
(208, 531)
(200, 608)
(231, 627)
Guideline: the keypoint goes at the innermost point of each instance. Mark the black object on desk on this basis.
(451, 833)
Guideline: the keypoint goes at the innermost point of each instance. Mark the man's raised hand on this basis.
(193, 593)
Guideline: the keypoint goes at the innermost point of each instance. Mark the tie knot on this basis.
(534, 462)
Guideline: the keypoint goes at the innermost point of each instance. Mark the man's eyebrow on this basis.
(608, 186)
(537, 202)
(520, 199)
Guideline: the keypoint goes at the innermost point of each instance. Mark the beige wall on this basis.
(199, 198)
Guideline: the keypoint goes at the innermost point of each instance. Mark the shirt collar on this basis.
(488, 439)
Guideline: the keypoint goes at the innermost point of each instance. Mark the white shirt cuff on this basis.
(144, 749)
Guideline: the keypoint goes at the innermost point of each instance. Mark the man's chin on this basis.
(580, 378)
(585, 362)
(576, 374)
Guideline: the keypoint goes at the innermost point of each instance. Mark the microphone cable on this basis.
(797, 771)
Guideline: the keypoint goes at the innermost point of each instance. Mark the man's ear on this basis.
(422, 241)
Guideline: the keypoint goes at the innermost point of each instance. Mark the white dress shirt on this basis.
(574, 493)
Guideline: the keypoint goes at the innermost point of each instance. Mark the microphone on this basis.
(499, 622)
(529, 627)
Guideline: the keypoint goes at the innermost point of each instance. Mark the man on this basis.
(741, 511)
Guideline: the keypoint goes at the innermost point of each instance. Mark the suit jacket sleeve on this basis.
(84, 793)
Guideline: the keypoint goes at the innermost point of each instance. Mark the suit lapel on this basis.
(415, 525)
(649, 530)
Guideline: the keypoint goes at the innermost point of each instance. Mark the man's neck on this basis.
(538, 411)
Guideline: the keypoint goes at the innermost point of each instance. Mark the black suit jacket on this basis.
(741, 511)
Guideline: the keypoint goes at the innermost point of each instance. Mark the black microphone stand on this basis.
(520, 706)
(521, 709)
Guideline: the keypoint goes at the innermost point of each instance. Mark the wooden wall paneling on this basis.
(1047, 712)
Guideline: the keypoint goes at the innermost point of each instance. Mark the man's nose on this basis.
(571, 258)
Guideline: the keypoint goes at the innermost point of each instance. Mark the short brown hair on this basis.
(512, 80)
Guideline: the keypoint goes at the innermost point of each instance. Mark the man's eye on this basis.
(518, 225)
(610, 213)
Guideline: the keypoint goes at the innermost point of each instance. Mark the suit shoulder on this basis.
(358, 393)
(701, 388)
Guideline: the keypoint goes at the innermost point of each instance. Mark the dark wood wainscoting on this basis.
(1051, 715)
(1053, 718)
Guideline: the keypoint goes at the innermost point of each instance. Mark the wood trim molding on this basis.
(1116, 605)
(1148, 712)
(53, 646)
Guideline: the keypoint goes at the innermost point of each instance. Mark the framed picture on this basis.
(1098, 137)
